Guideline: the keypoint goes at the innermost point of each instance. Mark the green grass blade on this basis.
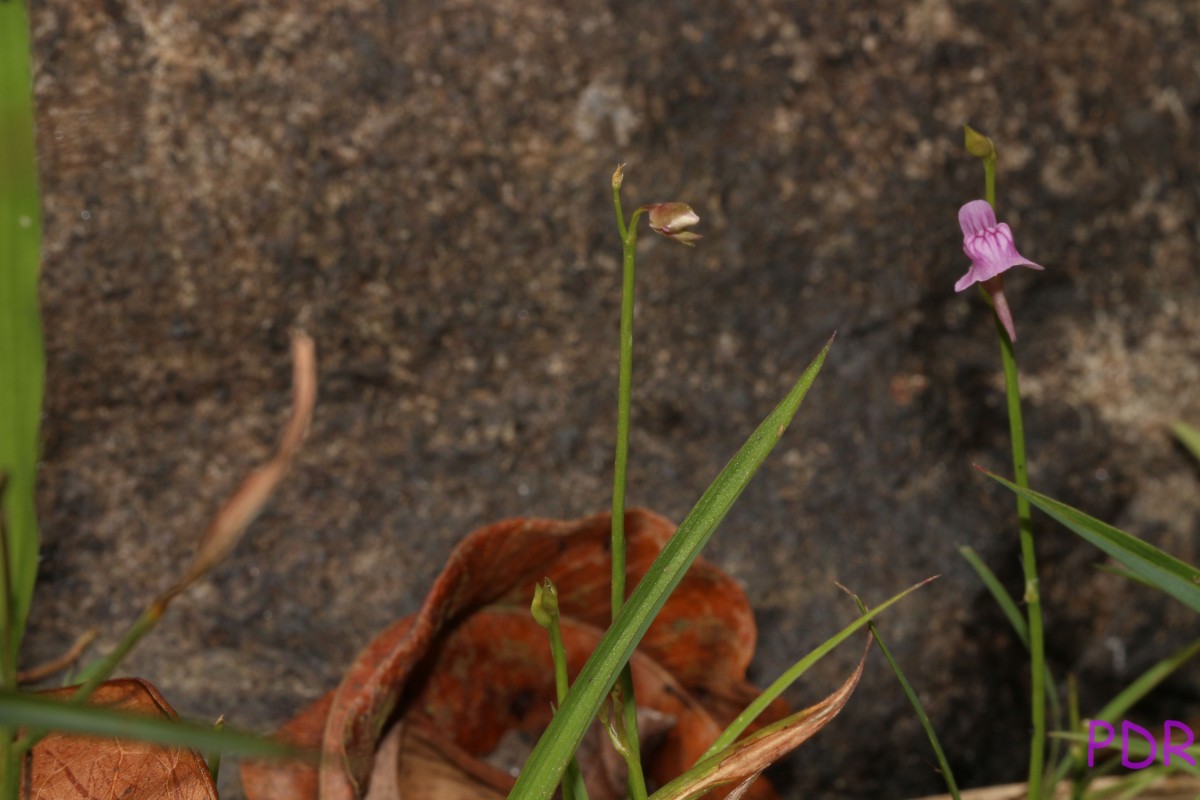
(549, 758)
(918, 707)
(1121, 572)
(1013, 614)
(793, 673)
(23, 710)
(1189, 436)
(1149, 679)
(1163, 571)
(999, 593)
(22, 361)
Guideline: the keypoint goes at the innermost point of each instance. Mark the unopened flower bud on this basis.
(672, 220)
(618, 176)
(545, 603)
(979, 145)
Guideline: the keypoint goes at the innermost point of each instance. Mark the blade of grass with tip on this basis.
(918, 707)
(1162, 570)
(999, 593)
(793, 673)
(1189, 436)
(544, 769)
(22, 359)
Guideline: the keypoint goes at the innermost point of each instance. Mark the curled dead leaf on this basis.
(472, 666)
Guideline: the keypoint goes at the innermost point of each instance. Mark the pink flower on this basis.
(990, 247)
(671, 220)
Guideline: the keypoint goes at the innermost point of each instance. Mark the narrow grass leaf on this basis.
(1146, 682)
(20, 709)
(918, 706)
(1122, 572)
(1190, 437)
(549, 758)
(751, 756)
(999, 593)
(780, 685)
(1163, 571)
(1013, 614)
(22, 358)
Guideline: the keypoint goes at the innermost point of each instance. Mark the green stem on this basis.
(637, 782)
(1076, 760)
(1033, 602)
(545, 612)
(558, 654)
(626, 741)
(144, 624)
(989, 179)
(616, 189)
(624, 402)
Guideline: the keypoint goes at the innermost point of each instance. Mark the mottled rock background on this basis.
(424, 187)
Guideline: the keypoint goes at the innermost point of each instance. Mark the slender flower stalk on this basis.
(624, 393)
(983, 148)
(637, 782)
(672, 221)
(544, 610)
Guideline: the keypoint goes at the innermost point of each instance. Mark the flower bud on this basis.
(618, 176)
(545, 603)
(979, 145)
(672, 219)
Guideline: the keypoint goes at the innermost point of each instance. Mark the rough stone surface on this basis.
(423, 186)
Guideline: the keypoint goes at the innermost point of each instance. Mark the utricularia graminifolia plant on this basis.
(989, 244)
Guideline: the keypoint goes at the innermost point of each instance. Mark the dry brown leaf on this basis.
(410, 763)
(742, 788)
(248, 500)
(42, 671)
(472, 665)
(66, 766)
(752, 755)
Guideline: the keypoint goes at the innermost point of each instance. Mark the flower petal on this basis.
(988, 244)
(976, 216)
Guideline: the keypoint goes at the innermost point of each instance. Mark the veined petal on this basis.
(976, 216)
(988, 244)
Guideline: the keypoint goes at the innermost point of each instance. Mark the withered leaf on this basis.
(472, 665)
(747, 758)
(71, 767)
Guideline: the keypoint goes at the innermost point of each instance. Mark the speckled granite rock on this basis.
(424, 187)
